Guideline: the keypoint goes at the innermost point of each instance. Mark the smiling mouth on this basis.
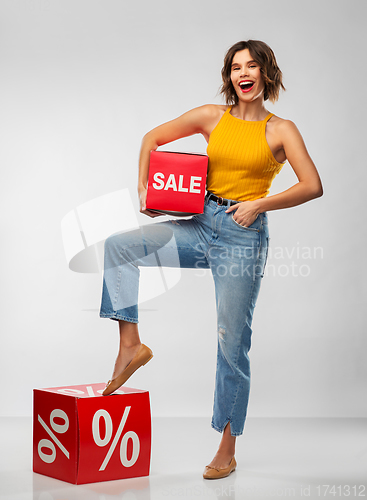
(246, 86)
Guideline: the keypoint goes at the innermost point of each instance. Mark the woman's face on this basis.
(246, 77)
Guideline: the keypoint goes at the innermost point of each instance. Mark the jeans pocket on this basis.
(254, 226)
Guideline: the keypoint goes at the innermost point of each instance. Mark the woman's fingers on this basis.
(245, 213)
(143, 205)
(232, 207)
(143, 199)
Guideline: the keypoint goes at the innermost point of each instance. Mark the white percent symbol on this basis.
(108, 435)
(59, 429)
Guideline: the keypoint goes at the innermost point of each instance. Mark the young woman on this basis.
(247, 147)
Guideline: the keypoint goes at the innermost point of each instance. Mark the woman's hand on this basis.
(245, 212)
(143, 202)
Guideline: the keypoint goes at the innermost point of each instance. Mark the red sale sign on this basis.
(81, 437)
(176, 183)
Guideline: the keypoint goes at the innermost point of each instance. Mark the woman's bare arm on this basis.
(199, 120)
(308, 187)
(309, 184)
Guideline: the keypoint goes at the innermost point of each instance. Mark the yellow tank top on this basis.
(241, 164)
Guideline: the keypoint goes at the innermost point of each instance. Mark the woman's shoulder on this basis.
(207, 117)
(212, 111)
(282, 126)
(283, 132)
(281, 123)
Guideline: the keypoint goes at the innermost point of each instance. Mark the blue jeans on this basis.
(236, 256)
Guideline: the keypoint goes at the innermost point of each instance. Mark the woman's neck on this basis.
(250, 111)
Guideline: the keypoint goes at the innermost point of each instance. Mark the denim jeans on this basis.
(236, 256)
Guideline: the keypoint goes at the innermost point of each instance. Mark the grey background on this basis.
(81, 82)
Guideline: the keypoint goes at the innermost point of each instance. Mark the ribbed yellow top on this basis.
(241, 164)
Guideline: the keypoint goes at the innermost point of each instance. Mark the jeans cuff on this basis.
(118, 317)
(222, 429)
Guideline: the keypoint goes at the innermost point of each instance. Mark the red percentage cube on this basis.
(80, 436)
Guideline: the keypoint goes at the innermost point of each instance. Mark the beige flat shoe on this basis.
(212, 473)
(141, 358)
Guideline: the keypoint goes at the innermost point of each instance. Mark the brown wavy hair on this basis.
(264, 56)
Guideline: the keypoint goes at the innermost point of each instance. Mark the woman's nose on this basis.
(243, 71)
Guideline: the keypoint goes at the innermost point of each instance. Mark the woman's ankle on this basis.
(129, 334)
(128, 344)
